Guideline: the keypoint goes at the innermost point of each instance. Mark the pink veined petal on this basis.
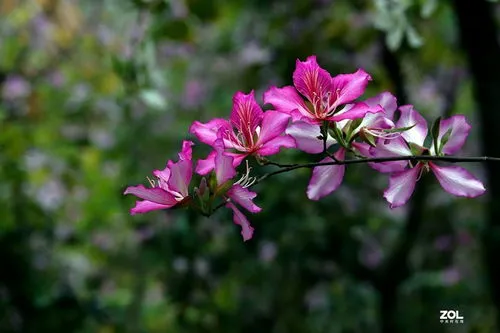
(409, 117)
(347, 87)
(363, 148)
(203, 167)
(224, 169)
(460, 130)
(145, 206)
(243, 197)
(306, 137)
(458, 181)
(287, 100)
(386, 100)
(207, 133)
(273, 146)
(156, 195)
(274, 124)
(311, 80)
(326, 179)
(246, 114)
(241, 220)
(163, 175)
(401, 186)
(389, 148)
(237, 157)
(232, 141)
(180, 177)
(186, 151)
(355, 111)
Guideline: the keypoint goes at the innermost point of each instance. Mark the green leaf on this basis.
(414, 38)
(368, 138)
(416, 150)
(428, 8)
(153, 99)
(398, 130)
(435, 133)
(177, 29)
(445, 139)
(394, 38)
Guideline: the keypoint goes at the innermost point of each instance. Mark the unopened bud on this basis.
(203, 186)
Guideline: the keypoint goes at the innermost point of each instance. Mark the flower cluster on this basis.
(318, 114)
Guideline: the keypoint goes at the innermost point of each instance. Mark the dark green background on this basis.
(97, 94)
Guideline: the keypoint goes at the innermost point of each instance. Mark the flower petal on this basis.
(409, 117)
(241, 220)
(306, 137)
(156, 195)
(326, 179)
(186, 151)
(246, 114)
(180, 177)
(203, 167)
(162, 175)
(224, 169)
(355, 111)
(390, 148)
(145, 206)
(458, 181)
(287, 100)
(311, 80)
(460, 129)
(347, 87)
(237, 157)
(386, 100)
(273, 146)
(401, 186)
(274, 124)
(243, 197)
(207, 133)
(363, 149)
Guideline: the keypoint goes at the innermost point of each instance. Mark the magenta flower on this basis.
(326, 179)
(170, 187)
(453, 179)
(249, 131)
(238, 192)
(324, 94)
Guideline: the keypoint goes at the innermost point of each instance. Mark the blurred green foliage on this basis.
(96, 94)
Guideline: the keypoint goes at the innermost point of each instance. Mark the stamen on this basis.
(246, 181)
(151, 182)
(424, 168)
(380, 133)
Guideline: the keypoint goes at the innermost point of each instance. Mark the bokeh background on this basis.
(96, 94)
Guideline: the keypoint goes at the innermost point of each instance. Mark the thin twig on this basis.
(412, 158)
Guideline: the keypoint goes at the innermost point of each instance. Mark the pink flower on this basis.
(374, 126)
(324, 94)
(238, 192)
(326, 179)
(249, 131)
(453, 179)
(170, 187)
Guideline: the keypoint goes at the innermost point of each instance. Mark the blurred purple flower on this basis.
(370, 256)
(15, 87)
(56, 78)
(145, 233)
(451, 276)
(267, 252)
(102, 240)
(443, 243)
(194, 93)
